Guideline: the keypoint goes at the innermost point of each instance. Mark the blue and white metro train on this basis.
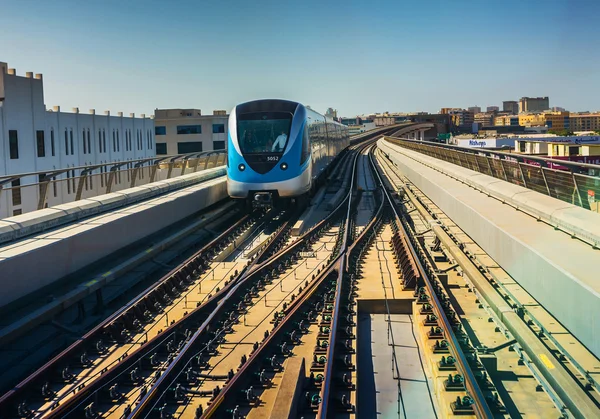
(276, 149)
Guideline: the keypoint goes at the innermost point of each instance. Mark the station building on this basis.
(180, 131)
(35, 139)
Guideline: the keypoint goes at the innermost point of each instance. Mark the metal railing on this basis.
(572, 182)
(59, 186)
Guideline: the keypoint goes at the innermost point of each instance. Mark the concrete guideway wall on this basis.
(555, 269)
(20, 226)
(31, 264)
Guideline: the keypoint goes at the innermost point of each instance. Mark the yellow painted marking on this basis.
(106, 274)
(546, 362)
(92, 282)
(149, 250)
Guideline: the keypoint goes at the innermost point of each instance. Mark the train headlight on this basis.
(242, 167)
(283, 166)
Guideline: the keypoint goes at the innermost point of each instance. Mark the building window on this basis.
(99, 141)
(189, 147)
(89, 142)
(160, 130)
(189, 129)
(218, 145)
(104, 140)
(218, 128)
(71, 138)
(66, 143)
(52, 141)
(118, 145)
(16, 192)
(114, 142)
(161, 148)
(17, 212)
(41, 143)
(13, 140)
(84, 146)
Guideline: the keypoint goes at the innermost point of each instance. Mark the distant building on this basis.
(358, 129)
(331, 113)
(445, 111)
(382, 121)
(585, 121)
(180, 131)
(545, 144)
(558, 109)
(507, 120)
(558, 120)
(492, 109)
(484, 118)
(511, 106)
(532, 120)
(534, 104)
(474, 109)
(461, 119)
(34, 139)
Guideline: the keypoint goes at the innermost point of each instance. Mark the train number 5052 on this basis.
(272, 158)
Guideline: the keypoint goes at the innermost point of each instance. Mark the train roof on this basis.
(279, 105)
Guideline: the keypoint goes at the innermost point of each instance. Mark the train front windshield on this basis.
(263, 132)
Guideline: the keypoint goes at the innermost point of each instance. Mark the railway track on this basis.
(553, 369)
(149, 336)
(323, 317)
(188, 289)
(296, 329)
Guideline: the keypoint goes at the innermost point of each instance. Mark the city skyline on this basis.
(156, 56)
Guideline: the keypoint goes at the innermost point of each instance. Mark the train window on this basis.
(305, 146)
(263, 132)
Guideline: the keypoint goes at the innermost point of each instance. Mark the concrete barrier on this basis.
(558, 271)
(24, 225)
(36, 262)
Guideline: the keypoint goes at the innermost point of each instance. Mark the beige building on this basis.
(534, 104)
(569, 149)
(484, 118)
(532, 120)
(180, 131)
(585, 121)
(558, 120)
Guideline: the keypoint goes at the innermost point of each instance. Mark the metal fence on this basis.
(25, 192)
(575, 183)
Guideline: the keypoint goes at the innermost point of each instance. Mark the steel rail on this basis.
(328, 376)
(339, 259)
(140, 410)
(482, 410)
(209, 306)
(8, 399)
(560, 381)
(292, 309)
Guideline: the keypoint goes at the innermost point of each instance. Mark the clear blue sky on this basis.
(358, 57)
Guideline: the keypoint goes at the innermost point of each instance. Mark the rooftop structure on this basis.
(534, 104)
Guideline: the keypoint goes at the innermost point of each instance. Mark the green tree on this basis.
(560, 132)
